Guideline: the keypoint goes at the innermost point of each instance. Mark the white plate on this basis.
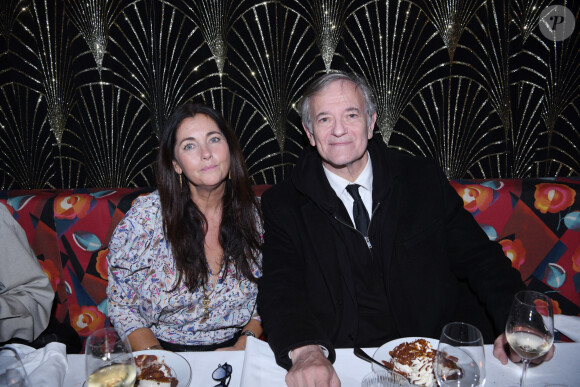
(177, 363)
(382, 353)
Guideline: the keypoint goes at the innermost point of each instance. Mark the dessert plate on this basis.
(382, 353)
(177, 363)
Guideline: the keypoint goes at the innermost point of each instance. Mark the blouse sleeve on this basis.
(257, 270)
(256, 316)
(129, 262)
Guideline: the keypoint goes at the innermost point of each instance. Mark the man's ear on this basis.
(372, 125)
(309, 135)
(177, 168)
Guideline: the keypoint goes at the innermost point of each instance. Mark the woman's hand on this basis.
(254, 326)
(240, 345)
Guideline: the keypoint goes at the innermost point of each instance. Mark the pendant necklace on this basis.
(206, 295)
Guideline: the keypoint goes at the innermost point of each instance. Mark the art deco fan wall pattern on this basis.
(85, 85)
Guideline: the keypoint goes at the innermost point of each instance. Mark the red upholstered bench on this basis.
(536, 220)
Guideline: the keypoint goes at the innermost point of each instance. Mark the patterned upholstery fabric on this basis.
(537, 221)
(69, 231)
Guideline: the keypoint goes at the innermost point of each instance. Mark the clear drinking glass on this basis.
(460, 359)
(12, 372)
(109, 360)
(384, 379)
(530, 327)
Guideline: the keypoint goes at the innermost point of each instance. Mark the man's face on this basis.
(340, 128)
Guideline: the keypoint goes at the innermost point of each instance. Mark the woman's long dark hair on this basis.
(183, 222)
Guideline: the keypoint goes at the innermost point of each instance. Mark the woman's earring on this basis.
(230, 174)
(180, 184)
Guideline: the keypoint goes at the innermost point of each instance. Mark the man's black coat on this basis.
(438, 265)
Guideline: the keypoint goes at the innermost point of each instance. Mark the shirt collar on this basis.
(338, 184)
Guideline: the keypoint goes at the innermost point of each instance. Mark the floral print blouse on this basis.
(142, 273)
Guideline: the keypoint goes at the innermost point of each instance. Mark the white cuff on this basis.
(323, 348)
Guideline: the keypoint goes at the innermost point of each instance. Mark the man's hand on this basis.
(501, 350)
(311, 368)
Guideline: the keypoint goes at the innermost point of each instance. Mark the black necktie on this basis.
(359, 212)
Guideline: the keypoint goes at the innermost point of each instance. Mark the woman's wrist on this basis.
(248, 333)
(156, 346)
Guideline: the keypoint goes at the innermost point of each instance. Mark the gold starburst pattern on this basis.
(86, 86)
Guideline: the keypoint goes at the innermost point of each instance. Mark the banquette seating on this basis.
(537, 221)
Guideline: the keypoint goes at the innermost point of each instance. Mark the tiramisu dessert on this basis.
(414, 360)
(153, 373)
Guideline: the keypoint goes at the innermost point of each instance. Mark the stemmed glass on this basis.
(109, 360)
(530, 327)
(12, 372)
(460, 359)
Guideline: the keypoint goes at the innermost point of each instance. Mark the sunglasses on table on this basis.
(222, 374)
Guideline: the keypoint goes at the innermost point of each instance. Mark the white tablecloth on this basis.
(202, 366)
(260, 370)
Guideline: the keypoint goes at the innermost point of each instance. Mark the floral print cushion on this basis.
(69, 231)
(537, 221)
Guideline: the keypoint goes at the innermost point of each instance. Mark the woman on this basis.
(184, 262)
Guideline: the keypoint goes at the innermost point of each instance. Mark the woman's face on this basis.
(201, 153)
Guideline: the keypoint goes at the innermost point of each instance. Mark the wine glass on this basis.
(460, 359)
(109, 360)
(530, 327)
(12, 372)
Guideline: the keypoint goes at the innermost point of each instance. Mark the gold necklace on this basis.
(205, 303)
(206, 295)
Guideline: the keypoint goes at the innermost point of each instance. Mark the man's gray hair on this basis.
(322, 82)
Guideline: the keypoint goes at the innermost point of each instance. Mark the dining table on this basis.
(256, 367)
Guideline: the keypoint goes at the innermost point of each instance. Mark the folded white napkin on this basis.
(260, 368)
(53, 360)
(568, 325)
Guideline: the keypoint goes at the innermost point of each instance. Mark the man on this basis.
(396, 255)
(25, 292)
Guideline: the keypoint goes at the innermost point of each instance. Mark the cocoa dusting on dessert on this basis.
(405, 353)
(151, 369)
(413, 360)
